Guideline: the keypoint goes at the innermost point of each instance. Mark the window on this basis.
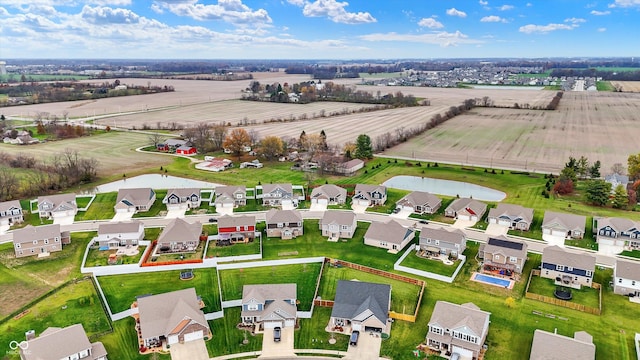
(280, 225)
(428, 241)
(560, 267)
(46, 241)
(569, 268)
(252, 307)
(437, 242)
(35, 242)
(497, 257)
(382, 243)
(633, 283)
(57, 240)
(589, 273)
(344, 227)
(20, 252)
(513, 259)
(619, 280)
(18, 246)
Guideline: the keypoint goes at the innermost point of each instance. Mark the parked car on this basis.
(424, 222)
(277, 334)
(396, 210)
(354, 338)
(212, 220)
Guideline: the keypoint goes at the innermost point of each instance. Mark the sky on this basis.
(318, 29)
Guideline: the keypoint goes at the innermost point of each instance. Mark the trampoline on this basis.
(563, 293)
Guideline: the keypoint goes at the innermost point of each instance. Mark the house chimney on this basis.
(30, 335)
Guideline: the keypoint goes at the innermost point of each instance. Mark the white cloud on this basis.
(483, 3)
(602, 29)
(231, 11)
(441, 38)
(493, 18)
(543, 29)
(107, 15)
(296, 2)
(336, 12)
(529, 4)
(456, 12)
(505, 7)
(575, 21)
(625, 3)
(430, 23)
(3, 11)
(600, 13)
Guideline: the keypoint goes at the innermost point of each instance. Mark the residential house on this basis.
(135, 200)
(186, 150)
(458, 329)
(179, 236)
(285, 224)
(230, 196)
(369, 195)
(568, 226)
(626, 278)
(114, 235)
(328, 194)
(268, 306)
(466, 209)
(350, 167)
(361, 306)
(39, 240)
(617, 179)
(278, 195)
(567, 267)
(390, 235)
(419, 202)
(10, 213)
(57, 343)
(553, 346)
(443, 241)
(215, 165)
(619, 232)
(57, 206)
(187, 198)
(503, 256)
(171, 318)
(235, 229)
(172, 144)
(515, 217)
(338, 224)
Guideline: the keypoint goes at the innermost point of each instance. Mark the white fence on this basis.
(430, 275)
(637, 340)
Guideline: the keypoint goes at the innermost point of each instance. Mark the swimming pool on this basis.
(492, 280)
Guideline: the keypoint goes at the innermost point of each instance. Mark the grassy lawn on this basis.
(604, 86)
(535, 230)
(100, 209)
(314, 244)
(433, 266)
(97, 257)
(585, 296)
(393, 196)
(304, 275)
(83, 200)
(121, 290)
(71, 304)
(152, 233)
(632, 253)
(233, 250)
(122, 343)
(314, 329)
(227, 339)
(157, 209)
(404, 296)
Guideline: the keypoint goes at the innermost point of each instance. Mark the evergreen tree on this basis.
(597, 192)
(363, 147)
(620, 198)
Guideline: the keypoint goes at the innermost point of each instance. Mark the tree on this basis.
(271, 147)
(620, 197)
(349, 150)
(155, 138)
(236, 141)
(597, 192)
(563, 186)
(202, 138)
(594, 170)
(363, 147)
(633, 163)
(218, 134)
(302, 141)
(323, 135)
(633, 197)
(617, 168)
(568, 173)
(572, 163)
(582, 167)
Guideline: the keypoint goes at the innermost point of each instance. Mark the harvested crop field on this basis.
(601, 126)
(627, 86)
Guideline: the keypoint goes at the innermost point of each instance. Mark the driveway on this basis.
(272, 349)
(496, 230)
(224, 210)
(553, 239)
(4, 229)
(368, 347)
(462, 224)
(609, 250)
(175, 213)
(191, 350)
(358, 209)
(122, 216)
(403, 214)
(65, 220)
(318, 207)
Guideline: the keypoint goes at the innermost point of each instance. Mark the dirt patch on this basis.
(627, 86)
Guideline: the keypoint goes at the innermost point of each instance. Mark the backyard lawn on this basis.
(121, 290)
(312, 333)
(122, 343)
(233, 250)
(304, 275)
(97, 257)
(101, 208)
(433, 266)
(586, 296)
(227, 339)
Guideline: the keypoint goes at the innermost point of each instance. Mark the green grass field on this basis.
(97, 257)
(305, 276)
(100, 209)
(312, 333)
(604, 86)
(233, 250)
(122, 343)
(585, 296)
(227, 339)
(121, 290)
(433, 266)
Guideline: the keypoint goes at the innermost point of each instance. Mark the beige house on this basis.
(466, 209)
(568, 267)
(502, 256)
(338, 224)
(513, 216)
(626, 278)
(10, 213)
(57, 206)
(186, 198)
(134, 200)
(369, 195)
(179, 236)
(568, 226)
(114, 235)
(230, 196)
(419, 202)
(39, 240)
(390, 235)
(442, 241)
(458, 329)
(280, 195)
(56, 343)
(170, 318)
(285, 224)
(328, 194)
(270, 305)
(361, 306)
(552, 346)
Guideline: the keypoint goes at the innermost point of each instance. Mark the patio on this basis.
(433, 255)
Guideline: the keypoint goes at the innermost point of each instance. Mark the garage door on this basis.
(196, 335)
(493, 221)
(474, 218)
(173, 339)
(504, 222)
(546, 231)
(272, 324)
(464, 217)
(290, 323)
(464, 353)
(558, 233)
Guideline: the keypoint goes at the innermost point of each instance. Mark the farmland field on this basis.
(589, 124)
(627, 86)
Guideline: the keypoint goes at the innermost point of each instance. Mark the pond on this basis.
(444, 187)
(154, 181)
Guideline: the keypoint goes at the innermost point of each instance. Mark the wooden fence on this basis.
(323, 303)
(564, 303)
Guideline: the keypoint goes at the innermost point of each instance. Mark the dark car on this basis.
(424, 222)
(212, 220)
(277, 334)
(354, 338)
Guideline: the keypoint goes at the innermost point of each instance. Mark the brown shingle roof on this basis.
(512, 211)
(30, 233)
(391, 232)
(420, 198)
(57, 343)
(160, 314)
(550, 346)
(628, 269)
(179, 230)
(476, 206)
(119, 227)
(455, 236)
(566, 221)
(274, 216)
(338, 217)
(233, 221)
(559, 256)
(453, 316)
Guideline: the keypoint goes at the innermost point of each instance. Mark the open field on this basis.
(589, 124)
(627, 86)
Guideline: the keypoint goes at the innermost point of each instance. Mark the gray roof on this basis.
(328, 190)
(338, 217)
(119, 227)
(59, 199)
(229, 190)
(512, 211)
(6, 205)
(275, 216)
(355, 297)
(391, 232)
(175, 142)
(268, 188)
(179, 230)
(420, 198)
(618, 224)
(136, 196)
(505, 246)
(233, 221)
(453, 316)
(627, 269)
(275, 297)
(30, 233)
(366, 189)
(564, 220)
(559, 256)
(159, 314)
(352, 163)
(57, 343)
(550, 346)
(183, 192)
(455, 236)
(476, 207)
